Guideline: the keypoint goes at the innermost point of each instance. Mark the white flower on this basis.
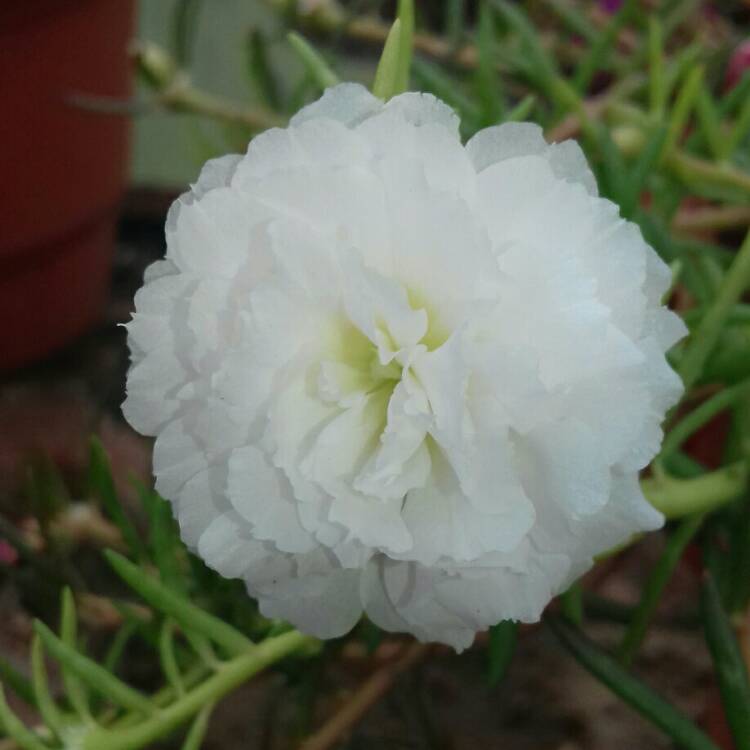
(387, 372)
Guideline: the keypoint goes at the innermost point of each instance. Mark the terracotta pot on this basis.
(63, 168)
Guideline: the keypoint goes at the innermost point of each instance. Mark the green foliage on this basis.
(184, 29)
(263, 78)
(654, 586)
(644, 700)
(99, 709)
(102, 486)
(316, 66)
(503, 637)
(730, 667)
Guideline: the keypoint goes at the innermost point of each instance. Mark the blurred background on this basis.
(110, 107)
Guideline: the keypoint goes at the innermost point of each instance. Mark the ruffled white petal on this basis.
(513, 139)
(348, 103)
(387, 372)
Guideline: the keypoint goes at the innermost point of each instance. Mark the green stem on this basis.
(707, 334)
(229, 676)
(683, 497)
(703, 414)
(161, 698)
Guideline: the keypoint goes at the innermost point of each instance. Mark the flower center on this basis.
(355, 369)
(381, 413)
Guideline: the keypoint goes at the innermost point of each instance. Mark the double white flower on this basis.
(387, 372)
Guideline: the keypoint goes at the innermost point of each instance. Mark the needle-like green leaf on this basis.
(594, 59)
(740, 129)
(571, 15)
(709, 123)
(730, 667)
(572, 604)
(657, 88)
(654, 586)
(641, 170)
(522, 110)
(184, 29)
(488, 86)
(12, 678)
(103, 486)
(178, 607)
(517, 20)
(635, 693)
(68, 632)
(386, 76)
(683, 106)
(503, 637)
(47, 707)
(736, 97)
(92, 674)
(119, 642)
(454, 21)
(15, 728)
(703, 340)
(316, 66)
(168, 658)
(260, 71)
(392, 75)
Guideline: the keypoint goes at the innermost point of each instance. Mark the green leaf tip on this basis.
(392, 75)
(386, 76)
(102, 485)
(47, 707)
(68, 633)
